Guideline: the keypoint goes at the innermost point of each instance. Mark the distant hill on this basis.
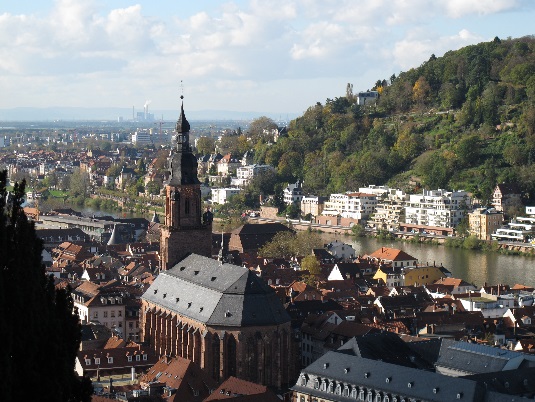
(79, 113)
(462, 121)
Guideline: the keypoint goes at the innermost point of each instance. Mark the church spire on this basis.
(183, 164)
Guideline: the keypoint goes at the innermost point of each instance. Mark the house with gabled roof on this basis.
(178, 379)
(506, 195)
(392, 256)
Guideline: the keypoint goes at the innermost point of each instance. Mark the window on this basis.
(97, 360)
(105, 314)
(144, 357)
(120, 313)
(120, 324)
(87, 362)
(110, 359)
(138, 358)
(113, 313)
(95, 314)
(130, 324)
(129, 358)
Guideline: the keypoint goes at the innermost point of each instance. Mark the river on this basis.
(475, 267)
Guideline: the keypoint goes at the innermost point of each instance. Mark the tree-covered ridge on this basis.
(464, 120)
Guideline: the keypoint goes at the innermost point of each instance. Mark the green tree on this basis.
(311, 264)
(279, 246)
(305, 241)
(79, 184)
(261, 127)
(39, 328)
(206, 145)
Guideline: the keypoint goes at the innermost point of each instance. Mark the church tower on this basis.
(186, 229)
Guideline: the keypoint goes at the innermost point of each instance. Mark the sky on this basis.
(269, 56)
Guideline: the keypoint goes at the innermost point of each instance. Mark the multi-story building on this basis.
(410, 276)
(141, 137)
(389, 211)
(293, 193)
(352, 205)
(521, 229)
(506, 195)
(221, 195)
(437, 208)
(244, 174)
(228, 165)
(100, 303)
(483, 222)
(312, 205)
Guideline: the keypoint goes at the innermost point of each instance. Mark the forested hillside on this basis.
(462, 121)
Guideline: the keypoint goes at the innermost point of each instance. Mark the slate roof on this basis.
(213, 293)
(386, 377)
(384, 346)
(475, 358)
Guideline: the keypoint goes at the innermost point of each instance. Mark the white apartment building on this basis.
(438, 208)
(141, 137)
(521, 229)
(351, 205)
(221, 195)
(373, 189)
(244, 174)
(390, 210)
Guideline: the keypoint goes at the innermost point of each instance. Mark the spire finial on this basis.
(181, 90)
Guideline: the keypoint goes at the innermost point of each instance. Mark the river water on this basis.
(475, 267)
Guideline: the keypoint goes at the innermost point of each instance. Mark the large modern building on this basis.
(437, 208)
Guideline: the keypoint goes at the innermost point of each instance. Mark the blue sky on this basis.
(269, 56)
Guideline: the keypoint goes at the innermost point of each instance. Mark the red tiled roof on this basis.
(240, 389)
(391, 254)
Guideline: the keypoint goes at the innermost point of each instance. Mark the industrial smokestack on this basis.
(146, 109)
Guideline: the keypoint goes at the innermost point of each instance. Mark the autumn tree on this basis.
(421, 91)
(311, 264)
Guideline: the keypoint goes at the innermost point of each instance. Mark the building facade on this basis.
(437, 208)
(483, 222)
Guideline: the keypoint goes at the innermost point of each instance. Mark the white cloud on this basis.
(460, 8)
(418, 46)
(82, 47)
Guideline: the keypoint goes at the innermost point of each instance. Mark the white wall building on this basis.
(351, 205)
(438, 208)
(244, 174)
(221, 195)
(368, 98)
(293, 193)
(141, 137)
